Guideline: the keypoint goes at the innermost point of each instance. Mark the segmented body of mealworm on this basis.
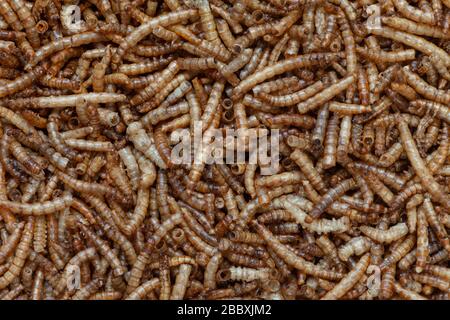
(293, 260)
(349, 280)
(419, 167)
(331, 195)
(308, 170)
(325, 95)
(282, 67)
(22, 251)
(42, 208)
(104, 249)
(386, 236)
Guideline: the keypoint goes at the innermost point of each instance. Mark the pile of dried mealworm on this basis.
(94, 93)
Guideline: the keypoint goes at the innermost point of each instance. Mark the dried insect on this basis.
(416, 161)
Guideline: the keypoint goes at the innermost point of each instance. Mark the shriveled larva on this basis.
(144, 67)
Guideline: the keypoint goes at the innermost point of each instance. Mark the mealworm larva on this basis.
(407, 294)
(422, 250)
(419, 167)
(348, 108)
(142, 142)
(331, 140)
(432, 281)
(356, 246)
(181, 282)
(383, 56)
(207, 21)
(164, 278)
(24, 157)
(22, 251)
(429, 92)
(89, 145)
(131, 165)
(38, 285)
(41, 208)
(143, 290)
(292, 98)
(435, 223)
(147, 27)
(68, 100)
(90, 188)
(325, 95)
(307, 167)
(349, 280)
(391, 155)
(290, 258)
(225, 34)
(440, 110)
(175, 90)
(104, 249)
(244, 274)
(411, 211)
(10, 244)
(387, 283)
(385, 236)
(399, 252)
(414, 27)
(63, 43)
(144, 67)
(89, 289)
(330, 196)
(253, 63)
(414, 13)
(211, 270)
(282, 67)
